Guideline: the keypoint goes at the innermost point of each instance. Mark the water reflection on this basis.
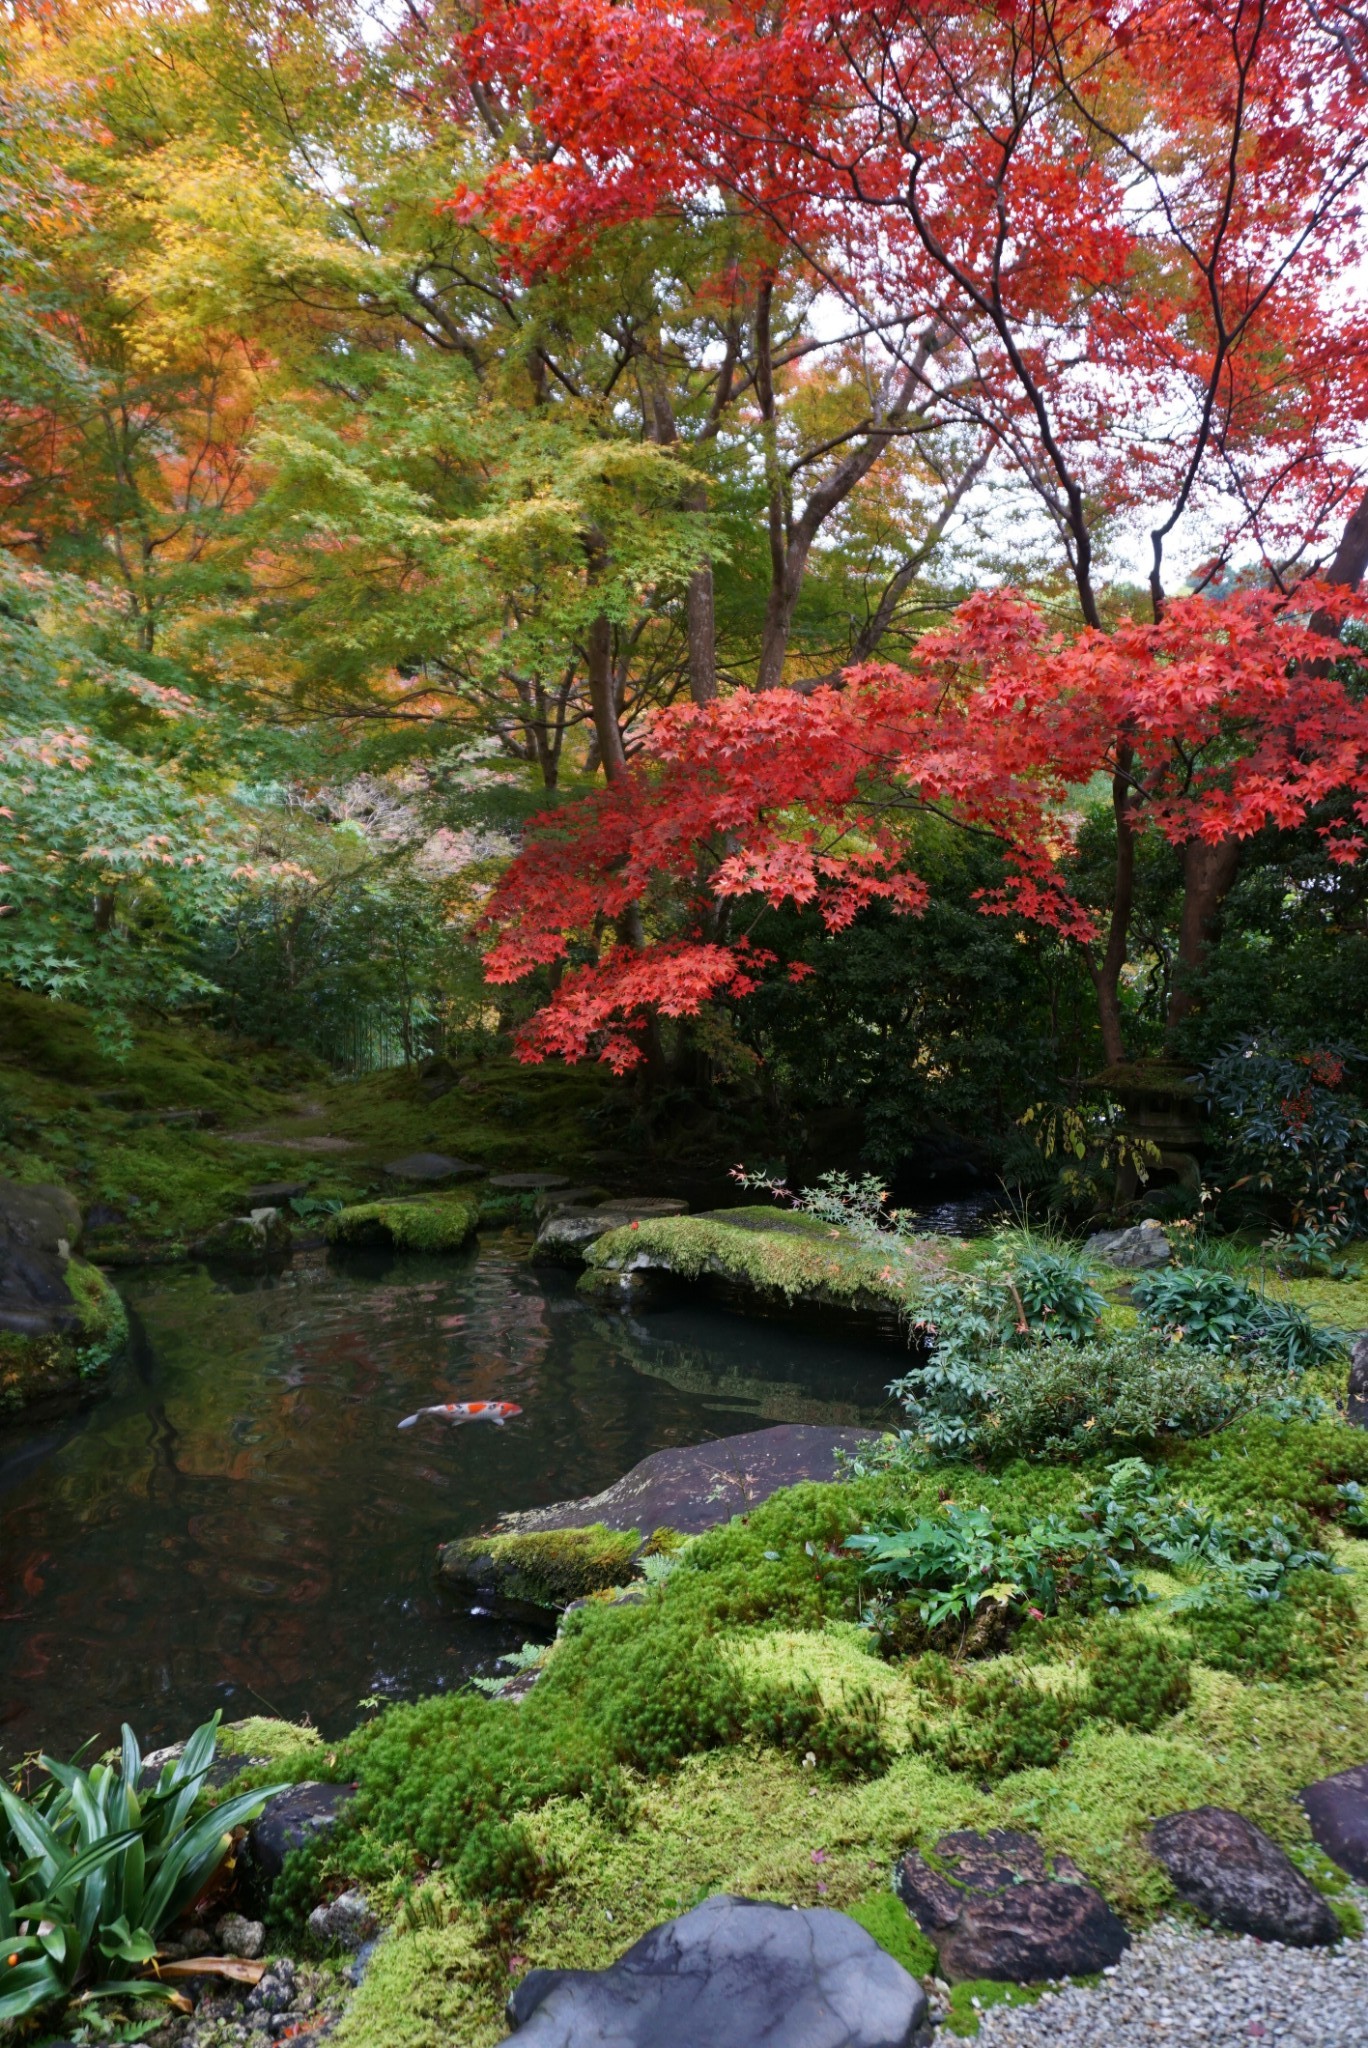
(240, 1523)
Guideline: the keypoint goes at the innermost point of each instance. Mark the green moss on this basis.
(892, 1926)
(104, 1319)
(548, 1567)
(272, 1741)
(415, 1223)
(1337, 1304)
(778, 1255)
(970, 2000)
(1264, 1466)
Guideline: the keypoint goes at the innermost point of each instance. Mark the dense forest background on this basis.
(335, 543)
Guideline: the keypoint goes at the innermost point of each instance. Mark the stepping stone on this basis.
(1235, 1876)
(1337, 1809)
(1000, 1909)
(274, 1194)
(732, 1974)
(528, 1183)
(432, 1166)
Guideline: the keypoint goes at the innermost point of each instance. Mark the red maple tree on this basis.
(1120, 238)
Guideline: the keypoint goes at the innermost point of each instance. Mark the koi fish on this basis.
(466, 1411)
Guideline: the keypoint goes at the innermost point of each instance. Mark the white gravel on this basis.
(1186, 1988)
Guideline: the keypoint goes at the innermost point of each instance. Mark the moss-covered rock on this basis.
(764, 1259)
(55, 1369)
(419, 1223)
(544, 1567)
(254, 1243)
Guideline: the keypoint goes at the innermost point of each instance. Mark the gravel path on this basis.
(1189, 1989)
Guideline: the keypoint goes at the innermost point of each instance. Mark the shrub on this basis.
(1297, 1636)
(1293, 1127)
(1219, 1312)
(1123, 1392)
(1136, 1678)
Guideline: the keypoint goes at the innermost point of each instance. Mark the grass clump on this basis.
(425, 1223)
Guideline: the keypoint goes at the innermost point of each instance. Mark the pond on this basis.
(240, 1524)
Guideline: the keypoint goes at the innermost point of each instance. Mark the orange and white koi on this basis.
(497, 1412)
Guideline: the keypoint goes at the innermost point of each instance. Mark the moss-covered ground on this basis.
(636, 1777)
(73, 1114)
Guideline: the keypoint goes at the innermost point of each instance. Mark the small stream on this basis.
(238, 1523)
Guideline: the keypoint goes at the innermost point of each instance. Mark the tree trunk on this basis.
(702, 624)
(1209, 872)
(603, 700)
(1106, 972)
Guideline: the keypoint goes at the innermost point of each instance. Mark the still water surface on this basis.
(240, 1524)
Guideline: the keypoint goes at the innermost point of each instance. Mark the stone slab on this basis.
(996, 1907)
(432, 1166)
(734, 1973)
(694, 1487)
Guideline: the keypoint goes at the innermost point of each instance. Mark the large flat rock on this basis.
(997, 1907)
(1337, 1809)
(734, 1973)
(697, 1486)
(1234, 1875)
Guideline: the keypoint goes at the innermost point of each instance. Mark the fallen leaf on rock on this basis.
(235, 1967)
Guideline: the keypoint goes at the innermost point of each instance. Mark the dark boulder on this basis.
(290, 1821)
(996, 1907)
(732, 1974)
(1358, 1382)
(1231, 1873)
(39, 1229)
(1337, 1809)
(695, 1487)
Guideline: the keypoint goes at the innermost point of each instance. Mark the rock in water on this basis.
(1337, 1809)
(1232, 1873)
(731, 1974)
(1000, 1910)
(1358, 1382)
(1133, 1250)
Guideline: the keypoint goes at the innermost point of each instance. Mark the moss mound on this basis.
(413, 1223)
(546, 1567)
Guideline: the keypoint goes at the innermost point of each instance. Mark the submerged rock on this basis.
(1135, 1250)
(996, 1907)
(731, 1974)
(1337, 1809)
(1233, 1874)
(694, 1487)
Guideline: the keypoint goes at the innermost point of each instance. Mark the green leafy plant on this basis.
(1219, 1312)
(92, 1870)
(1294, 1127)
